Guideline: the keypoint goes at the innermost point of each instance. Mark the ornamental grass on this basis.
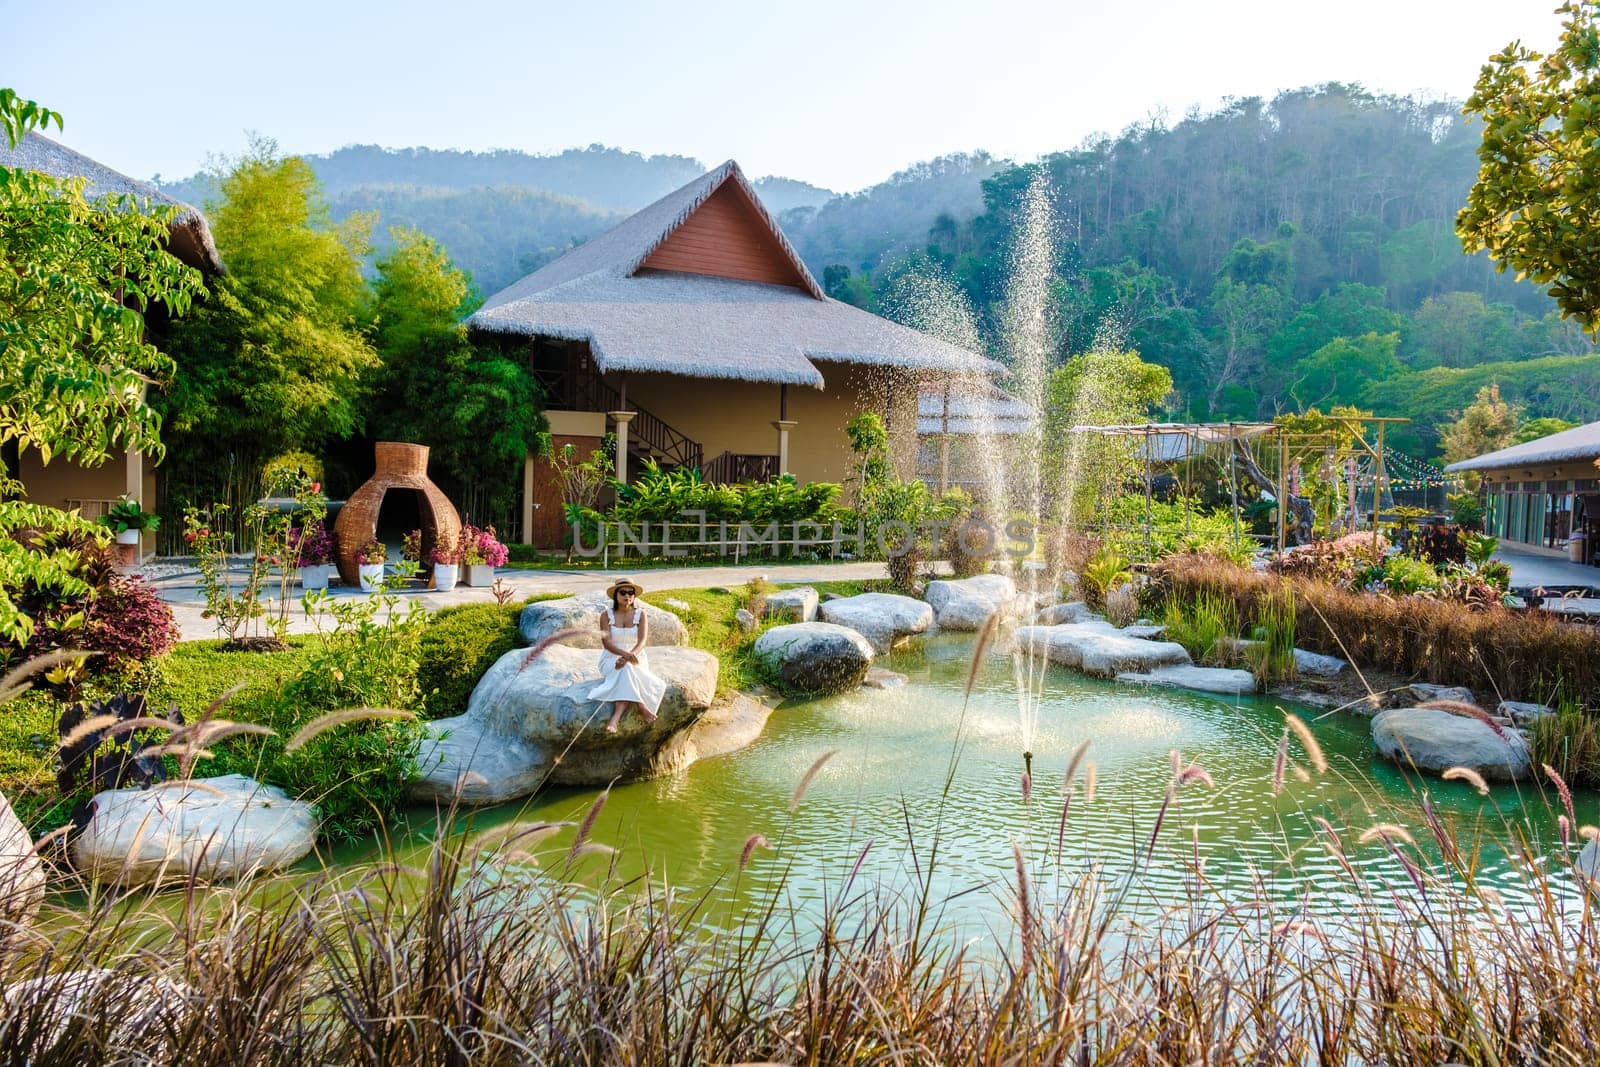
(1519, 655)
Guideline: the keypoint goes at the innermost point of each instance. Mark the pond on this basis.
(881, 800)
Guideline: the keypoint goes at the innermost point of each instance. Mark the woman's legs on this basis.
(622, 707)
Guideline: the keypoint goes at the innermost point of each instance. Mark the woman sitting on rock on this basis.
(624, 670)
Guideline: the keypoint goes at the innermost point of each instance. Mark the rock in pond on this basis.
(1316, 665)
(215, 829)
(138, 1014)
(1423, 692)
(1099, 648)
(1434, 740)
(1058, 614)
(729, 724)
(814, 657)
(1149, 631)
(539, 621)
(527, 725)
(883, 678)
(793, 605)
(967, 603)
(21, 876)
(882, 618)
(1188, 676)
(1521, 712)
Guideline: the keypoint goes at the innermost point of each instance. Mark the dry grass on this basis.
(1518, 655)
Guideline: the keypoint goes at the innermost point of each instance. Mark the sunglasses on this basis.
(626, 592)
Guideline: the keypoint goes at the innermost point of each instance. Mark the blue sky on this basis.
(837, 93)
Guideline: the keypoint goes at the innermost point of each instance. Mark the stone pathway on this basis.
(178, 585)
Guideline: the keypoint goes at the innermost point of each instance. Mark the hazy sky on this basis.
(837, 93)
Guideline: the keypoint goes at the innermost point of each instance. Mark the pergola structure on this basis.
(1174, 442)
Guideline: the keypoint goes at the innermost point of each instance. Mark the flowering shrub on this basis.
(128, 624)
(373, 551)
(411, 546)
(1338, 561)
(480, 546)
(311, 544)
(446, 553)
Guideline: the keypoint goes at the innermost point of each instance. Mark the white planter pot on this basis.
(314, 576)
(128, 537)
(480, 574)
(444, 575)
(371, 576)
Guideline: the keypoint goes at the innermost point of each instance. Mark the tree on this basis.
(1534, 429)
(475, 407)
(274, 361)
(1535, 206)
(1487, 425)
(76, 278)
(1338, 372)
(1097, 389)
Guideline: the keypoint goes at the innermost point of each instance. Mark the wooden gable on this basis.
(726, 237)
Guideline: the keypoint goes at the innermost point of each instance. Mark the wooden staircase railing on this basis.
(649, 437)
(732, 468)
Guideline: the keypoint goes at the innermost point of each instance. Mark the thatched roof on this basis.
(191, 236)
(703, 326)
(972, 407)
(1569, 446)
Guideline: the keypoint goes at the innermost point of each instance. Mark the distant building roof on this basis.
(613, 293)
(191, 235)
(973, 407)
(1568, 446)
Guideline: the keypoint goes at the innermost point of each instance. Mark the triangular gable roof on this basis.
(635, 318)
(623, 249)
(38, 153)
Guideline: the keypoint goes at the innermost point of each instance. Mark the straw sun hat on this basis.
(624, 583)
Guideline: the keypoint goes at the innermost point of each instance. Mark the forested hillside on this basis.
(1275, 255)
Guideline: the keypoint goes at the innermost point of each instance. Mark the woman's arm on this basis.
(644, 633)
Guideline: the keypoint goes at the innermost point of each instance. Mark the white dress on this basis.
(631, 681)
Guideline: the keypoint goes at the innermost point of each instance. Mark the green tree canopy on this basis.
(274, 361)
(1535, 206)
(476, 407)
(1487, 425)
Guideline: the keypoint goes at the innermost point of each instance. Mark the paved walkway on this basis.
(1529, 569)
(180, 588)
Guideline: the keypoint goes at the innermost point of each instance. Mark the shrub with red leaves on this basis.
(128, 624)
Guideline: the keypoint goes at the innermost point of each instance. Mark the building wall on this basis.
(64, 484)
(725, 237)
(729, 416)
(1541, 506)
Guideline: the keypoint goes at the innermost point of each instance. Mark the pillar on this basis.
(783, 426)
(134, 482)
(944, 463)
(622, 418)
(527, 499)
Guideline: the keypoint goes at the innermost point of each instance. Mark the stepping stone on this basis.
(215, 829)
(882, 618)
(1422, 692)
(967, 603)
(1148, 631)
(793, 605)
(1205, 679)
(814, 657)
(1316, 665)
(1434, 740)
(1098, 648)
(1057, 614)
(882, 678)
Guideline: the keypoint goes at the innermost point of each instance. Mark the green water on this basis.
(883, 793)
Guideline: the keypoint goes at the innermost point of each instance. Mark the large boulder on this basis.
(967, 603)
(1422, 692)
(1317, 665)
(528, 724)
(729, 724)
(1099, 648)
(1188, 676)
(882, 618)
(1522, 712)
(1058, 614)
(138, 1014)
(539, 621)
(1434, 740)
(814, 657)
(21, 877)
(793, 605)
(214, 829)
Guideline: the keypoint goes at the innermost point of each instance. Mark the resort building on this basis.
(695, 334)
(62, 483)
(1544, 494)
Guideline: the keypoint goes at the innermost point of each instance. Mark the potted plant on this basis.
(129, 521)
(481, 553)
(446, 560)
(312, 545)
(370, 559)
